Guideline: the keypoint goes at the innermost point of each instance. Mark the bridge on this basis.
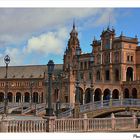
(27, 108)
(93, 109)
(105, 108)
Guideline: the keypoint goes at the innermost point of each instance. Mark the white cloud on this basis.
(29, 31)
(48, 43)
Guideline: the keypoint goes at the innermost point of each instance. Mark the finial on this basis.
(108, 23)
(94, 38)
(74, 24)
(121, 33)
(136, 36)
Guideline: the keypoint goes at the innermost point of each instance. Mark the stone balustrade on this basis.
(27, 126)
(71, 125)
(109, 103)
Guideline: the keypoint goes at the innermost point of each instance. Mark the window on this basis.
(131, 58)
(81, 76)
(81, 65)
(107, 58)
(89, 64)
(85, 65)
(107, 76)
(98, 75)
(116, 75)
(127, 57)
(116, 55)
(90, 76)
(66, 99)
(98, 59)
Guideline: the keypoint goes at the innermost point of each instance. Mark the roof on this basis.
(29, 71)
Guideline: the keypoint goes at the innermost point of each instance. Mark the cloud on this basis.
(26, 32)
(48, 43)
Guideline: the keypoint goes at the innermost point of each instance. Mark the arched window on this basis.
(98, 75)
(107, 75)
(97, 94)
(98, 58)
(116, 75)
(129, 74)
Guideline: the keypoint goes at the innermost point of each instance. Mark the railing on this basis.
(71, 125)
(109, 103)
(124, 123)
(94, 124)
(27, 126)
(66, 114)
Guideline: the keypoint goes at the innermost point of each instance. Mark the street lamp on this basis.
(31, 96)
(78, 52)
(49, 110)
(91, 85)
(7, 61)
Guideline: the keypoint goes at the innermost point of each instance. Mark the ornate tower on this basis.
(70, 63)
(71, 49)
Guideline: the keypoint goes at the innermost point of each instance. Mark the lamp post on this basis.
(49, 110)
(78, 52)
(91, 85)
(7, 61)
(31, 96)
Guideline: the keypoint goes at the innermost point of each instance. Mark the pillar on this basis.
(14, 99)
(113, 121)
(102, 100)
(135, 122)
(23, 98)
(93, 98)
(85, 123)
(110, 98)
(4, 125)
(50, 127)
(121, 98)
(83, 98)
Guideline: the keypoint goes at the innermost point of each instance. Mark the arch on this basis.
(115, 94)
(97, 94)
(35, 97)
(116, 75)
(26, 97)
(80, 95)
(87, 95)
(106, 94)
(1, 96)
(134, 93)
(10, 96)
(98, 75)
(129, 74)
(126, 93)
(18, 97)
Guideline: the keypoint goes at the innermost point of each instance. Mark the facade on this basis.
(113, 73)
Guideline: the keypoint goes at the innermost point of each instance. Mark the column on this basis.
(110, 98)
(121, 97)
(14, 99)
(83, 98)
(93, 98)
(110, 51)
(102, 100)
(23, 98)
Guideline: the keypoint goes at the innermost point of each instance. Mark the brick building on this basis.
(114, 73)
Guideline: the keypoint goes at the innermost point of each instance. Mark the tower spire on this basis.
(73, 23)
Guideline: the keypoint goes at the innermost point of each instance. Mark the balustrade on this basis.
(27, 126)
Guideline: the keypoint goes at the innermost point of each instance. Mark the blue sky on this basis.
(35, 35)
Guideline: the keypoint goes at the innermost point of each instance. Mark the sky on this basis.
(33, 36)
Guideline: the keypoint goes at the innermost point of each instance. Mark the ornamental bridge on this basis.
(104, 108)
(126, 107)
